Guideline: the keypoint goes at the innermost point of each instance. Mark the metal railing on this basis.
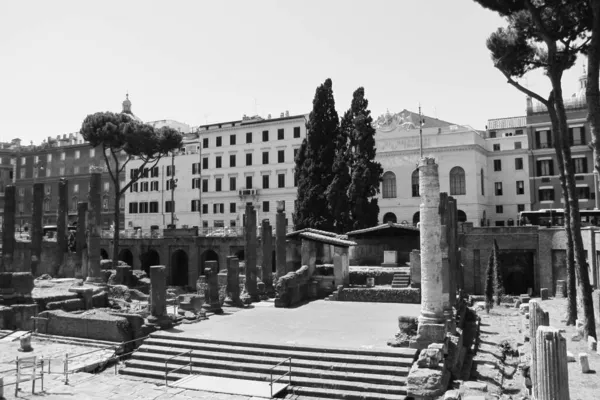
(288, 374)
(178, 368)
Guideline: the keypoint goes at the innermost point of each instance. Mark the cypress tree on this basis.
(498, 282)
(302, 184)
(337, 192)
(489, 283)
(315, 166)
(366, 173)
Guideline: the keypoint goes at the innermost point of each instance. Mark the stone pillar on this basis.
(415, 269)
(233, 282)
(551, 381)
(341, 266)
(36, 226)
(537, 318)
(267, 254)
(158, 297)
(453, 248)
(444, 247)
(309, 255)
(81, 244)
(212, 303)
(250, 253)
(94, 226)
(561, 289)
(280, 233)
(432, 327)
(61, 224)
(8, 228)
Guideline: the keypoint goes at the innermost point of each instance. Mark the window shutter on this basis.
(537, 139)
(539, 168)
(551, 167)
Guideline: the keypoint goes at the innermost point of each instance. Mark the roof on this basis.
(311, 230)
(326, 239)
(388, 226)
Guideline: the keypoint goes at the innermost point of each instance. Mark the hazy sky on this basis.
(199, 61)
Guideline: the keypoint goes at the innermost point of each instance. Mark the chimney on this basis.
(281, 116)
(269, 116)
(287, 113)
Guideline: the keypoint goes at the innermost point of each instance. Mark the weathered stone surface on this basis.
(280, 232)
(544, 293)
(525, 298)
(561, 289)
(472, 385)
(158, 297)
(426, 382)
(233, 282)
(25, 342)
(250, 253)
(36, 226)
(592, 344)
(584, 363)
(267, 254)
(8, 226)
(430, 358)
(61, 224)
(552, 375)
(94, 226)
(80, 241)
(415, 268)
(570, 357)
(341, 266)
(212, 292)
(524, 308)
(452, 395)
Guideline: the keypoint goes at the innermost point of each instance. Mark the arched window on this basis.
(415, 183)
(457, 181)
(482, 183)
(389, 185)
(462, 216)
(389, 217)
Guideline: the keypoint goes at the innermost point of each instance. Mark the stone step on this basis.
(74, 340)
(341, 394)
(306, 368)
(155, 371)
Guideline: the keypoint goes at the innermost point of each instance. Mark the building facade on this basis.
(220, 168)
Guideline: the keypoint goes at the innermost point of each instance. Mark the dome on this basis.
(127, 108)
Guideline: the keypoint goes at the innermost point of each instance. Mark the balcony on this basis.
(574, 103)
(245, 193)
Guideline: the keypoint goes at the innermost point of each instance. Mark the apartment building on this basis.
(220, 168)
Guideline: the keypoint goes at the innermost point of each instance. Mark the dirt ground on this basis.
(500, 370)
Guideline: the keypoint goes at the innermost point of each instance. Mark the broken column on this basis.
(250, 253)
(94, 229)
(8, 228)
(415, 269)
(158, 297)
(267, 254)
(212, 303)
(453, 248)
(61, 225)
(80, 241)
(233, 282)
(308, 253)
(341, 266)
(537, 317)
(280, 233)
(551, 381)
(432, 327)
(444, 247)
(36, 226)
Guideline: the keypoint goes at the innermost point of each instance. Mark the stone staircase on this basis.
(321, 373)
(401, 280)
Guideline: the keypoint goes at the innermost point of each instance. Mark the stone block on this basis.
(524, 308)
(518, 303)
(592, 345)
(472, 385)
(584, 363)
(570, 357)
(426, 382)
(452, 395)
(561, 289)
(407, 324)
(23, 314)
(6, 317)
(544, 293)
(525, 298)
(22, 283)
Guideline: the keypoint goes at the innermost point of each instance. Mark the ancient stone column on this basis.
(158, 297)
(537, 318)
(341, 266)
(309, 255)
(94, 226)
(61, 224)
(444, 247)
(415, 269)
(267, 254)
(552, 375)
(233, 282)
(212, 303)
(432, 326)
(250, 253)
(280, 233)
(8, 228)
(453, 247)
(80, 240)
(36, 226)
(561, 289)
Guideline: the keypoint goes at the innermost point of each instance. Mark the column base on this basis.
(95, 280)
(214, 307)
(429, 331)
(163, 321)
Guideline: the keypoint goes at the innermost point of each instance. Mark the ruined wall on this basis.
(369, 251)
(70, 268)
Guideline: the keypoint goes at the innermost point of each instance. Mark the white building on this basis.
(220, 169)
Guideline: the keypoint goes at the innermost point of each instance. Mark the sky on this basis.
(211, 61)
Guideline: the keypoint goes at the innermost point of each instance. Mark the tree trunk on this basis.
(575, 222)
(592, 91)
(117, 213)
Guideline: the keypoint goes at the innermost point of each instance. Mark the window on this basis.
(133, 208)
(389, 185)
(204, 163)
(22, 174)
(195, 183)
(170, 170)
(76, 169)
(520, 187)
(546, 194)
(545, 168)
(218, 184)
(492, 134)
(249, 137)
(204, 185)
(232, 160)
(265, 206)
(457, 181)
(580, 165)
(74, 202)
(134, 187)
(77, 154)
(106, 186)
(280, 134)
(520, 207)
(23, 160)
(154, 172)
(61, 171)
(232, 208)
(49, 156)
(219, 223)
(195, 168)
(499, 223)
(171, 185)
(169, 206)
(232, 223)
(63, 155)
(48, 171)
(48, 188)
(265, 136)
(249, 182)
(496, 146)
(76, 188)
(219, 161)
(154, 186)
(232, 140)
(232, 183)
(577, 136)
(499, 209)
(265, 157)
(281, 180)
(414, 179)
(498, 188)
(143, 207)
(583, 192)
(518, 163)
(518, 132)
(497, 165)
(295, 153)
(543, 139)
(482, 183)
(21, 192)
(219, 141)
(265, 181)
(205, 143)
(195, 205)
(154, 206)
(204, 209)
(517, 145)
(296, 131)
(46, 205)
(281, 156)
(248, 159)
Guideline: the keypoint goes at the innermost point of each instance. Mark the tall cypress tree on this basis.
(366, 172)
(498, 282)
(337, 193)
(315, 173)
(489, 283)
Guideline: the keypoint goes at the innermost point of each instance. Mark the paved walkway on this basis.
(320, 323)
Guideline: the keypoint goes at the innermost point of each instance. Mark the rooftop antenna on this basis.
(421, 122)
(255, 106)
